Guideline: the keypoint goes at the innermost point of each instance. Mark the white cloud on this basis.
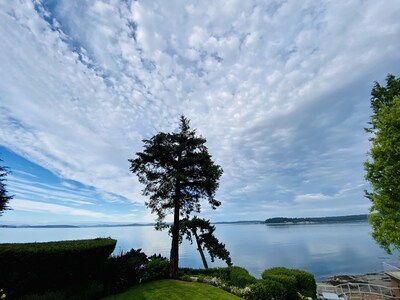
(277, 88)
(35, 206)
(312, 198)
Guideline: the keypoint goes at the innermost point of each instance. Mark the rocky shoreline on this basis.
(370, 278)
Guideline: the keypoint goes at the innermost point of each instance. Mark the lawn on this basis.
(174, 290)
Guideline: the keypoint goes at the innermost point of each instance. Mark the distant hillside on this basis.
(38, 226)
(338, 219)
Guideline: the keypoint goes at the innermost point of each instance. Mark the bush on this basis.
(263, 289)
(305, 281)
(39, 267)
(235, 276)
(156, 268)
(240, 277)
(122, 271)
(222, 273)
(288, 282)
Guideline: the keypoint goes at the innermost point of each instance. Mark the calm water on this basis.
(324, 250)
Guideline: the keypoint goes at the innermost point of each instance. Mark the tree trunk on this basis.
(203, 258)
(174, 256)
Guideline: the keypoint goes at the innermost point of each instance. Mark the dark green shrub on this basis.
(185, 278)
(124, 270)
(262, 290)
(240, 277)
(40, 267)
(305, 281)
(236, 276)
(288, 282)
(156, 268)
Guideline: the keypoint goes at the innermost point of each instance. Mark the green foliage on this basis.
(289, 283)
(235, 276)
(383, 170)
(240, 277)
(155, 268)
(231, 276)
(122, 271)
(263, 289)
(203, 233)
(337, 219)
(177, 172)
(97, 247)
(277, 283)
(222, 273)
(36, 267)
(4, 196)
(177, 166)
(305, 282)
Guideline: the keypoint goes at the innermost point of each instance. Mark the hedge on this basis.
(240, 277)
(264, 289)
(37, 267)
(289, 282)
(305, 281)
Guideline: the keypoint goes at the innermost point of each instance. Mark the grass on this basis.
(174, 290)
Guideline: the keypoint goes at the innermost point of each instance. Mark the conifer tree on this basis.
(177, 172)
(4, 196)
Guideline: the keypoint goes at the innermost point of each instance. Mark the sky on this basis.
(280, 90)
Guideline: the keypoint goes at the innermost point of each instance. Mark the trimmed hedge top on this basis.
(35, 267)
(305, 281)
(59, 247)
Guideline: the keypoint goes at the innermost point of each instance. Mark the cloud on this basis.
(279, 89)
(311, 198)
(35, 206)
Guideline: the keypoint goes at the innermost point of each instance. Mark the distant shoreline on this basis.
(271, 221)
(318, 220)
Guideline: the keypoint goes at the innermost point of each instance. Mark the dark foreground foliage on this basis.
(40, 267)
(83, 270)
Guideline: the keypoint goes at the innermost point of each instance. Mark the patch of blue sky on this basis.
(38, 183)
(31, 183)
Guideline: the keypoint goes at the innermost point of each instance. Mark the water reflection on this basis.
(324, 250)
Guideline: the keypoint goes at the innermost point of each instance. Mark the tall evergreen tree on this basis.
(177, 172)
(4, 196)
(383, 167)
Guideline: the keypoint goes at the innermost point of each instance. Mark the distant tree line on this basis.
(338, 219)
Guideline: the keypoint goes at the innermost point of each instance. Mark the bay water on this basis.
(322, 249)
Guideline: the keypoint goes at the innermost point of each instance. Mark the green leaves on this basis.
(383, 168)
(177, 172)
(172, 160)
(203, 232)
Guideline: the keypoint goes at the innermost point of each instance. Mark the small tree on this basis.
(4, 196)
(203, 233)
(178, 172)
(383, 170)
